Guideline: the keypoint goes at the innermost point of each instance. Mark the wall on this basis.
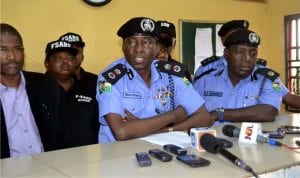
(41, 21)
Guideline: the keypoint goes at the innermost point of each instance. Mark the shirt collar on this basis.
(21, 86)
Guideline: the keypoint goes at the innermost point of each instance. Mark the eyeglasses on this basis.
(15, 50)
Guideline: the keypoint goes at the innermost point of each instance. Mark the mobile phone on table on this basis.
(288, 129)
(275, 134)
(193, 160)
(161, 155)
(143, 159)
(175, 149)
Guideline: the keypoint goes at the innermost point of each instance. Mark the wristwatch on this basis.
(220, 114)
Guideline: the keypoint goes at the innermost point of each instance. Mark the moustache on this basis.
(11, 63)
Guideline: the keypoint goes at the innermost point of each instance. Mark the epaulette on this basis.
(261, 62)
(171, 68)
(115, 73)
(209, 60)
(267, 73)
(204, 73)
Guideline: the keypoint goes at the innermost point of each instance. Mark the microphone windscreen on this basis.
(228, 130)
(209, 143)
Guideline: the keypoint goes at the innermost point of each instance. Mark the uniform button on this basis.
(25, 131)
(20, 114)
(30, 146)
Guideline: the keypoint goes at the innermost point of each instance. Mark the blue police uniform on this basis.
(212, 64)
(208, 65)
(123, 88)
(262, 87)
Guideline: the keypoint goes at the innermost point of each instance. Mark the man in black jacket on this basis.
(29, 117)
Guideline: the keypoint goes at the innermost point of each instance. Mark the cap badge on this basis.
(147, 25)
(253, 38)
(165, 24)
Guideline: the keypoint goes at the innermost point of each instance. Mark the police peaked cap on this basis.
(139, 26)
(72, 38)
(59, 45)
(243, 37)
(233, 25)
(167, 28)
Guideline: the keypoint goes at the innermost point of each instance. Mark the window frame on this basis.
(288, 51)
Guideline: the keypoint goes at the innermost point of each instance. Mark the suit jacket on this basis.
(44, 98)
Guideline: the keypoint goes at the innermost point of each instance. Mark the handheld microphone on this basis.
(233, 131)
(210, 144)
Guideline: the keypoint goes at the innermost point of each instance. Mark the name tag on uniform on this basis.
(213, 93)
(135, 95)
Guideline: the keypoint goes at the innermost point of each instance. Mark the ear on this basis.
(226, 52)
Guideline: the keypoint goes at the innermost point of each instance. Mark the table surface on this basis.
(118, 159)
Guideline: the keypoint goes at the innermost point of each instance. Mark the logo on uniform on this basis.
(147, 25)
(276, 86)
(253, 38)
(104, 87)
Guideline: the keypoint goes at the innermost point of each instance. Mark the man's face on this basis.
(164, 52)
(139, 51)
(11, 55)
(60, 64)
(241, 60)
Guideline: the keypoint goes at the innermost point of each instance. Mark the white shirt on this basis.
(23, 135)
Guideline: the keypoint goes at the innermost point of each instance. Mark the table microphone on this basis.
(233, 131)
(210, 144)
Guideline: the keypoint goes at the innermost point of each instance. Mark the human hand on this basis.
(179, 114)
(129, 116)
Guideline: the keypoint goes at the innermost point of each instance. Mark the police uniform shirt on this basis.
(218, 63)
(217, 91)
(133, 94)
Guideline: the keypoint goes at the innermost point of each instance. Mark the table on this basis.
(118, 160)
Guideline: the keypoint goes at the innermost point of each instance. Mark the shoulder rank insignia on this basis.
(115, 73)
(171, 68)
(261, 62)
(204, 73)
(266, 72)
(209, 60)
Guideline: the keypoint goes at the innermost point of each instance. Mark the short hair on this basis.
(6, 28)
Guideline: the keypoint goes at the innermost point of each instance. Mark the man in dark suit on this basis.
(29, 117)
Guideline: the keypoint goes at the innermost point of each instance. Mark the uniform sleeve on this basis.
(284, 90)
(186, 95)
(272, 93)
(109, 100)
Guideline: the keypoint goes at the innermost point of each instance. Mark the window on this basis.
(292, 55)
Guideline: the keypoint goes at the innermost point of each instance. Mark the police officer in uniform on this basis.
(139, 96)
(85, 78)
(167, 43)
(209, 64)
(79, 108)
(214, 61)
(240, 91)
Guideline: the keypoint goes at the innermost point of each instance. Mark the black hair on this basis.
(6, 28)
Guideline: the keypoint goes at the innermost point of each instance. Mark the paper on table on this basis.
(177, 138)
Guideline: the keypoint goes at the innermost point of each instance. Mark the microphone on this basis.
(233, 131)
(210, 144)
